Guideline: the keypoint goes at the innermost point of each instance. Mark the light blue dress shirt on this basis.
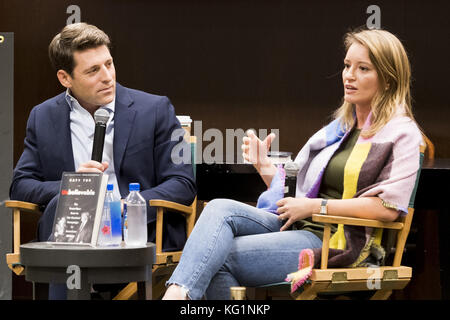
(82, 128)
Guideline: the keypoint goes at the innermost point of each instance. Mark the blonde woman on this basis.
(368, 157)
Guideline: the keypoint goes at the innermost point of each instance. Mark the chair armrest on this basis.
(13, 259)
(171, 205)
(190, 215)
(23, 206)
(328, 220)
(356, 222)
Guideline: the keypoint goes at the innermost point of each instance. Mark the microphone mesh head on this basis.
(102, 116)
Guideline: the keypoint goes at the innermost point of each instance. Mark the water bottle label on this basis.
(106, 229)
(125, 222)
(116, 220)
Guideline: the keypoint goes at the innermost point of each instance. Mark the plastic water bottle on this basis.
(111, 225)
(135, 217)
(115, 211)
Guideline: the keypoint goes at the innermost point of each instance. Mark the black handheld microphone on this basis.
(101, 117)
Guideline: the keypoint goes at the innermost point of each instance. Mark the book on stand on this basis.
(79, 209)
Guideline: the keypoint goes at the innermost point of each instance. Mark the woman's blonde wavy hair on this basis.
(390, 60)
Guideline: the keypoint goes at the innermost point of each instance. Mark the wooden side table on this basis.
(49, 263)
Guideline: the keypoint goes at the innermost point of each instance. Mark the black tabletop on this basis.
(45, 254)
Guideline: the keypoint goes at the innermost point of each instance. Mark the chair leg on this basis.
(381, 295)
(40, 291)
(309, 293)
(128, 293)
(144, 290)
(260, 294)
(159, 286)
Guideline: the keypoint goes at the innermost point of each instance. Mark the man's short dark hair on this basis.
(75, 37)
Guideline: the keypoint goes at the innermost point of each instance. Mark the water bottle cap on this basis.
(134, 187)
(110, 187)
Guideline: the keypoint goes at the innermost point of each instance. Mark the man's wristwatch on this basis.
(324, 207)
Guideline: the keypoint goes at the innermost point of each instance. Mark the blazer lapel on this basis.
(63, 140)
(123, 122)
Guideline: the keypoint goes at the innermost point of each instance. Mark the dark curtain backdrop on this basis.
(237, 64)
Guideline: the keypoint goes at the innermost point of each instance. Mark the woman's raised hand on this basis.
(255, 151)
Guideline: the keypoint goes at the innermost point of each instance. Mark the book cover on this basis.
(80, 207)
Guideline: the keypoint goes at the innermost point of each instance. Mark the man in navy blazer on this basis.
(142, 141)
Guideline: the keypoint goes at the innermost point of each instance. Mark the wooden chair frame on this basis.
(18, 207)
(383, 279)
(165, 262)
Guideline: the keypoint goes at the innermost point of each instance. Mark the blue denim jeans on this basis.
(235, 244)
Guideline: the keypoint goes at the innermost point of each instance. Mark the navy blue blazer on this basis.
(142, 148)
